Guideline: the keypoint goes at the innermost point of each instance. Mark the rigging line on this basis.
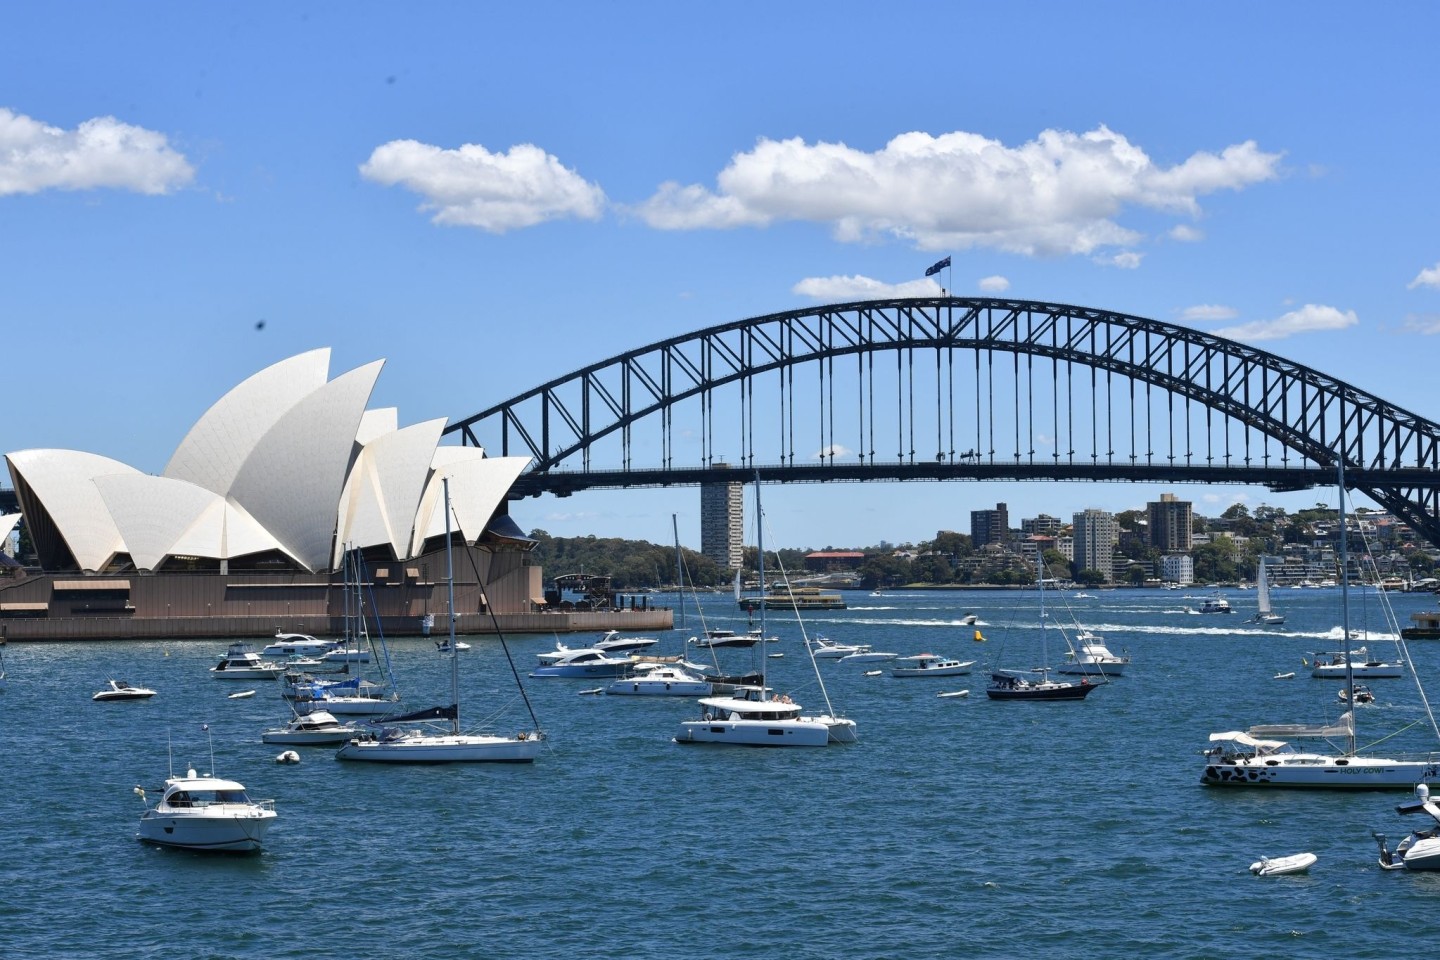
(494, 622)
(795, 606)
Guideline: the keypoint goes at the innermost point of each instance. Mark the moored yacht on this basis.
(930, 665)
(205, 813)
(120, 690)
(660, 680)
(614, 642)
(1421, 849)
(1090, 657)
(316, 728)
(751, 717)
(242, 663)
(297, 645)
(1358, 663)
(1018, 685)
(585, 662)
(824, 649)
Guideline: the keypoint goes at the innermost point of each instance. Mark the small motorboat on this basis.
(443, 646)
(1290, 675)
(287, 756)
(874, 673)
(242, 663)
(1278, 866)
(1363, 694)
(120, 690)
(1421, 849)
(316, 728)
(954, 693)
(593, 691)
(242, 695)
(205, 813)
(775, 656)
(969, 620)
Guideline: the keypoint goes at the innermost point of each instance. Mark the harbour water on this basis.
(955, 827)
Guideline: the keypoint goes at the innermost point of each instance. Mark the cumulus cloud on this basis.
(833, 450)
(841, 289)
(99, 153)
(996, 284)
(1206, 312)
(1307, 319)
(1058, 194)
(1186, 233)
(1429, 277)
(1125, 260)
(472, 187)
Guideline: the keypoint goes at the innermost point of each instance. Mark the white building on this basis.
(1177, 568)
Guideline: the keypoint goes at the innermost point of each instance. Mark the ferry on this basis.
(785, 597)
(1427, 626)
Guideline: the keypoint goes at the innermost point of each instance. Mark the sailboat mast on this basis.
(760, 569)
(1345, 605)
(450, 609)
(679, 572)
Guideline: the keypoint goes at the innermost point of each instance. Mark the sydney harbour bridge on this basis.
(955, 388)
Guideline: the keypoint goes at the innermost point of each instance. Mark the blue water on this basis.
(956, 827)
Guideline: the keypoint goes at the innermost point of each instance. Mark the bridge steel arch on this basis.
(1194, 407)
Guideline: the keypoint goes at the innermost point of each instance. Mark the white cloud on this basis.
(1185, 233)
(1427, 324)
(1205, 312)
(1307, 319)
(833, 450)
(1125, 260)
(843, 289)
(99, 153)
(1058, 194)
(472, 187)
(995, 284)
(1429, 277)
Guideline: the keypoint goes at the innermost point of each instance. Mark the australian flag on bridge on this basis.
(937, 267)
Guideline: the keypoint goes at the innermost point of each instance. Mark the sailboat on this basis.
(1023, 685)
(751, 716)
(1264, 613)
(1257, 758)
(396, 744)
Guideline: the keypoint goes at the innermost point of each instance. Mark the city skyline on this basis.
(494, 197)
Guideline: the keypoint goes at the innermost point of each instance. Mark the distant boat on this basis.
(1263, 611)
(1215, 604)
(1036, 684)
(930, 665)
(120, 690)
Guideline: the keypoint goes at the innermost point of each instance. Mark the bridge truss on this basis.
(956, 388)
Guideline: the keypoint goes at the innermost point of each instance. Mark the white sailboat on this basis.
(1264, 613)
(1258, 758)
(400, 744)
(751, 716)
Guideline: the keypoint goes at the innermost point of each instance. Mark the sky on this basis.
(491, 196)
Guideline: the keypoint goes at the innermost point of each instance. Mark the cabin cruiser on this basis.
(120, 690)
(753, 718)
(725, 638)
(930, 665)
(205, 813)
(866, 655)
(316, 728)
(586, 662)
(353, 697)
(1421, 849)
(242, 663)
(1090, 657)
(297, 645)
(613, 642)
(823, 649)
(1215, 604)
(661, 680)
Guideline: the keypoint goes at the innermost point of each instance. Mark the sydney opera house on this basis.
(245, 531)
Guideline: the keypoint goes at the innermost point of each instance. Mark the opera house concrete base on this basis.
(130, 605)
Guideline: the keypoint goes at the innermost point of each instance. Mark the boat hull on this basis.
(1320, 772)
(798, 732)
(1092, 669)
(659, 688)
(956, 671)
(598, 671)
(1368, 671)
(234, 833)
(451, 748)
(1423, 854)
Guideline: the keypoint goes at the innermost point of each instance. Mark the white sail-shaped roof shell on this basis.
(376, 423)
(292, 480)
(478, 485)
(223, 439)
(62, 480)
(8, 523)
(384, 489)
(160, 517)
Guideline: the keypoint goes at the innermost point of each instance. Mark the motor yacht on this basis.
(242, 663)
(930, 665)
(614, 642)
(1090, 657)
(205, 813)
(586, 662)
(866, 655)
(120, 690)
(660, 680)
(297, 645)
(1421, 849)
(1215, 604)
(316, 728)
(824, 649)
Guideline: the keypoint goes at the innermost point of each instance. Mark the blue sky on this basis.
(490, 197)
